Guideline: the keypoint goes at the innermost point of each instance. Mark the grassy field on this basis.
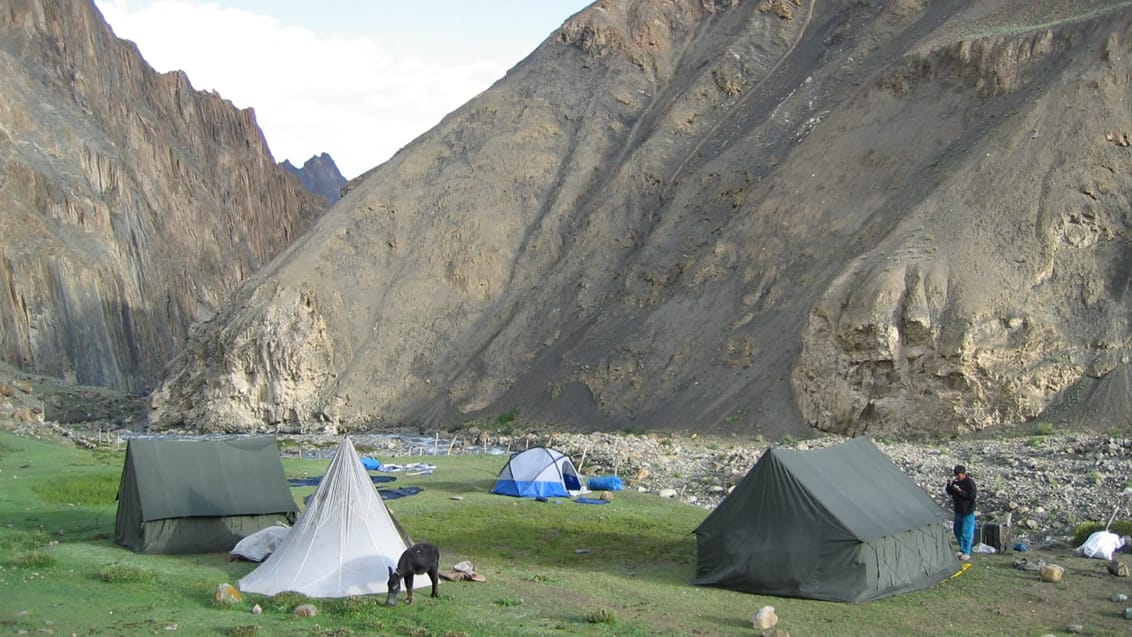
(620, 569)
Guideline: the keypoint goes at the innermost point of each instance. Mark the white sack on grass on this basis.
(257, 546)
(1101, 545)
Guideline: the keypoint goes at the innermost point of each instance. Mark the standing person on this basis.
(963, 493)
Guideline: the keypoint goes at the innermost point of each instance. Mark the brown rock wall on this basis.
(134, 203)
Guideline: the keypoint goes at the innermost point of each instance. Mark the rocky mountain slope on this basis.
(132, 203)
(895, 217)
(320, 175)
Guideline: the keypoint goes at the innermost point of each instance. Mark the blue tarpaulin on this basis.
(590, 501)
(310, 482)
(605, 483)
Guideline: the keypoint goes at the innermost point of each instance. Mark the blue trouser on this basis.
(964, 527)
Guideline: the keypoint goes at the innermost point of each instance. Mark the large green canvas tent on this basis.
(200, 496)
(842, 523)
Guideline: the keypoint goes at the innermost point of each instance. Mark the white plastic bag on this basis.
(1101, 545)
(257, 546)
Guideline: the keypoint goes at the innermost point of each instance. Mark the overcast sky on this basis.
(357, 79)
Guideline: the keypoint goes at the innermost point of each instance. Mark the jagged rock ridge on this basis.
(897, 218)
(133, 204)
(319, 175)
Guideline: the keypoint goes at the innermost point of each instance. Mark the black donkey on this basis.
(418, 559)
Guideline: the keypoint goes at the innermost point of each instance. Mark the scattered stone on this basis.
(257, 610)
(1128, 613)
(1117, 568)
(607, 496)
(1119, 597)
(306, 610)
(1075, 628)
(1051, 573)
(1026, 565)
(456, 497)
(765, 619)
(667, 493)
(227, 595)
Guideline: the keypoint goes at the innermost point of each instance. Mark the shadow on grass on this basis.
(465, 487)
(65, 526)
(730, 622)
(534, 538)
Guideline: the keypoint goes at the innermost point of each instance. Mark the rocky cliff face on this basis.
(319, 175)
(133, 204)
(897, 218)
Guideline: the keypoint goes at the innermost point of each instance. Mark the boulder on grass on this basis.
(765, 619)
(1051, 573)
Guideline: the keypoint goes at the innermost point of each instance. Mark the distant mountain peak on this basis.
(320, 175)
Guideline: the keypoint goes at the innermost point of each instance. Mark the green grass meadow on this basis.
(620, 569)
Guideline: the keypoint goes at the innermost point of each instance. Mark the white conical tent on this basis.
(342, 544)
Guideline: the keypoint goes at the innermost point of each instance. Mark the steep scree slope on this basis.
(896, 217)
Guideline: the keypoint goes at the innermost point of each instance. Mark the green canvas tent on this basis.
(842, 523)
(200, 496)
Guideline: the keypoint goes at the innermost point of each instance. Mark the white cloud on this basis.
(344, 94)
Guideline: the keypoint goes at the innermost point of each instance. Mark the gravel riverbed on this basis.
(1040, 485)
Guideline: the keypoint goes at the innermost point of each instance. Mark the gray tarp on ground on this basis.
(200, 496)
(842, 523)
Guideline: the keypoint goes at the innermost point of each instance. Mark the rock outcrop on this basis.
(133, 204)
(320, 175)
(899, 218)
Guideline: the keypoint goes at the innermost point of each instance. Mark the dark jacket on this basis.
(963, 494)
